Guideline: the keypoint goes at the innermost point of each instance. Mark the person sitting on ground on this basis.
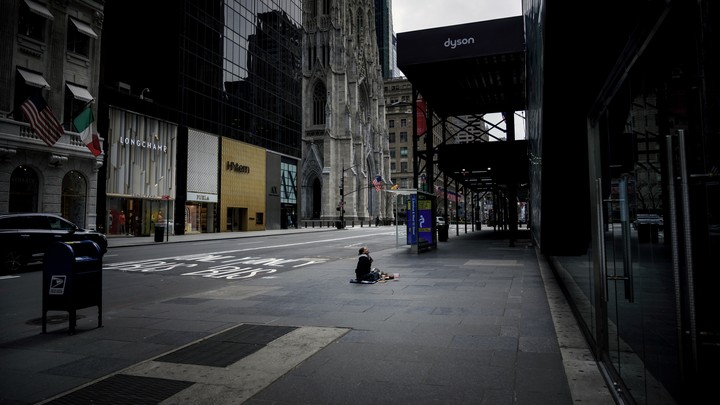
(364, 270)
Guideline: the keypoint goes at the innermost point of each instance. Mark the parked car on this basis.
(648, 219)
(25, 237)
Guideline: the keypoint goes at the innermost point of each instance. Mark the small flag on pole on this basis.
(42, 120)
(84, 125)
(378, 183)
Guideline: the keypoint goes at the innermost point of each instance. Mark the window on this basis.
(391, 137)
(78, 37)
(403, 167)
(288, 182)
(392, 167)
(403, 136)
(360, 27)
(403, 152)
(33, 19)
(59, 224)
(259, 218)
(74, 195)
(391, 124)
(27, 84)
(77, 98)
(319, 98)
(24, 190)
(312, 7)
(403, 122)
(392, 152)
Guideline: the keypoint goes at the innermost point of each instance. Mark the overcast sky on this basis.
(412, 15)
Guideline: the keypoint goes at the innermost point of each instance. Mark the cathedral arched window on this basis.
(348, 24)
(360, 26)
(326, 7)
(319, 101)
(312, 7)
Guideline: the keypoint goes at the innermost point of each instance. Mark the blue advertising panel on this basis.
(425, 214)
(411, 211)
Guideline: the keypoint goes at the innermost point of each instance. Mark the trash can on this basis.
(72, 280)
(443, 232)
(159, 233)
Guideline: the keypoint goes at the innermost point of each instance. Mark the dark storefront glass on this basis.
(647, 295)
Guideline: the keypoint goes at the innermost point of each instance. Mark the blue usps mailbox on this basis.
(72, 280)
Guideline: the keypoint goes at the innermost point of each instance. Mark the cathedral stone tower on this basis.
(345, 142)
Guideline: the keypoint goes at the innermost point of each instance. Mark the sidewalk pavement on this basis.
(474, 321)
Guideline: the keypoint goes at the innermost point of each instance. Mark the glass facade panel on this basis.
(241, 75)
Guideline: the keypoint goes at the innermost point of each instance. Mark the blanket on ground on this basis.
(356, 281)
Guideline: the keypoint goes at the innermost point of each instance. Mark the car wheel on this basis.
(12, 262)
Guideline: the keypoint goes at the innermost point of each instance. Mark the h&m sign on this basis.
(237, 167)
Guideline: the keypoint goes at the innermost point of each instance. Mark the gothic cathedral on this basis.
(346, 162)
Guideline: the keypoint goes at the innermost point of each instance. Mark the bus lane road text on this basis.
(213, 265)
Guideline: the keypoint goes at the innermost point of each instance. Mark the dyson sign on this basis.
(454, 43)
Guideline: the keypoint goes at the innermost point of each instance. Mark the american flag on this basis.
(42, 120)
(378, 183)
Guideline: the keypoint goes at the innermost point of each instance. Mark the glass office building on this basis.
(226, 74)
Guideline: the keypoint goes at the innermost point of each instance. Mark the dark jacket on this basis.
(364, 266)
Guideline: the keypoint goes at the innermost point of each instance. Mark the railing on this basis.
(18, 134)
(332, 223)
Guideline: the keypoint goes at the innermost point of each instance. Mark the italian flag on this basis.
(83, 124)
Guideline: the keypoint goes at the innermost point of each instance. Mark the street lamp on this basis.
(341, 208)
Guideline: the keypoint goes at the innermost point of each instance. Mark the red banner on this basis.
(421, 107)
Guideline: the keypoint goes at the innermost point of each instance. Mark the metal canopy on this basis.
(467, 69)
(474, 68)
(481, 166)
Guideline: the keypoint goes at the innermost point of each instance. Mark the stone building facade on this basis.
(49, 53)
(345, 142)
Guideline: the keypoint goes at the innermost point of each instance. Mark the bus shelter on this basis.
(421, 226)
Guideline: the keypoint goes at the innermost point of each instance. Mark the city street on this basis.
(272, 317)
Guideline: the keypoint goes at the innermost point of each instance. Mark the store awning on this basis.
(84, 28)
(39, 9)
(80, 93)
(33, 79)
